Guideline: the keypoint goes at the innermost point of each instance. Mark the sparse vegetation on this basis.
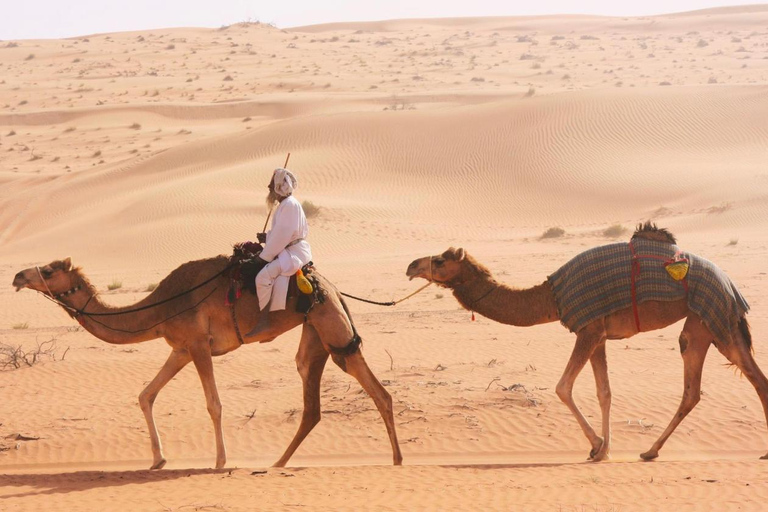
(30, 56)
(614, 231)
(310, 209)
(733, 241)
(21, 326)
(114, 285)
(96, 154)
(720, 208)
(555, 232)
(15, 357)
(702, 43)
(150, 287)
(135, 126)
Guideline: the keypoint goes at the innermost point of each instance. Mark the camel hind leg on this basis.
(694, 343)
(355, 365)
(310, 362)
(739, 353)
(175, 362)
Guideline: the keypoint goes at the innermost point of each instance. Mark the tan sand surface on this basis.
(135, 152)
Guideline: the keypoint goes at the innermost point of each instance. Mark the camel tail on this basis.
(746, 334)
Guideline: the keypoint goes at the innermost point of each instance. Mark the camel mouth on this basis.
(19, 283)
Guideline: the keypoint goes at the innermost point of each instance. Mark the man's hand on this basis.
(261, 237)
(260, 260)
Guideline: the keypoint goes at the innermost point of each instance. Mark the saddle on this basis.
(245, 266)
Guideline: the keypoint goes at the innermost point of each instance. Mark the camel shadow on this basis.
(63, 483)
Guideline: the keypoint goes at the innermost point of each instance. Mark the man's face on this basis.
(272, 196)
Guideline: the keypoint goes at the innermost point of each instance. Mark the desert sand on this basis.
(135, 152)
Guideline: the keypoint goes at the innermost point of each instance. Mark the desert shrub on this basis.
(310, 209)
(114, 285)
(614, 231)
(555, 232)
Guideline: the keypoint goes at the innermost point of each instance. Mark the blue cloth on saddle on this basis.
(597, 282)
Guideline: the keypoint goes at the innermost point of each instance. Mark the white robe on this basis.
(288, 225)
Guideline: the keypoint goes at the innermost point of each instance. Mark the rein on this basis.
(76, 311)
(394, 302)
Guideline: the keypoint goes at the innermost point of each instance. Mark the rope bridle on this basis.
(75, 312)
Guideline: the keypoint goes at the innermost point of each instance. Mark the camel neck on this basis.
(499, 302)
(117, 329)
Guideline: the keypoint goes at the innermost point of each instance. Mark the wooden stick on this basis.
(264, 229)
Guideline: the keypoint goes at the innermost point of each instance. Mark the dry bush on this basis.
(614, 231)
(135, 126)
(733, 241)
(310, 209)
(114, 285)
(150, 287)
(555, 232)
(30, 56)
(15, 357)
(20, 326)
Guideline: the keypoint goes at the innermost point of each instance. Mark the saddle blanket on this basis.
(597, 282)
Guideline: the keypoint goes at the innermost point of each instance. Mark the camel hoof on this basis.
(159, 465)
(279, 464)
(220, 465)
(594, 451)
(600, 457)
(650, 455)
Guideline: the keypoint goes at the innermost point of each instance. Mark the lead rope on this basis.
(394, 302)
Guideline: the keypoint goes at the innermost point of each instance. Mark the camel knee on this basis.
(564, 391)
(604, 395)
(215, 408)
(146, 400)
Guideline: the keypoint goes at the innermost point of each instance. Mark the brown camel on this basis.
(199, 325)
(476, 290)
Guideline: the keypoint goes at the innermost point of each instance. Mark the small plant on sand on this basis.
(15, 357)
(733, 241)
(21, 326)
(96, 154)
(30, 56)
(114, 285)
(150, 287)
(614, 231)
(555, 232)
(310, 209)
(135, 126)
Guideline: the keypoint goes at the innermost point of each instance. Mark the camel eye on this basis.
(439, 262)
(47, 272)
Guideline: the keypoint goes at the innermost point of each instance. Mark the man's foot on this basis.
(262, 325)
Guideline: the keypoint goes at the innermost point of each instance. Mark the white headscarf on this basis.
(284, 181)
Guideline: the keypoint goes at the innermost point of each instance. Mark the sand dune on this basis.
(135, 152)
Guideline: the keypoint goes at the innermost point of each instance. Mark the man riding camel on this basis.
(286, 249)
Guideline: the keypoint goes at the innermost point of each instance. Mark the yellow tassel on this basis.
(678, 270)
(304, 285)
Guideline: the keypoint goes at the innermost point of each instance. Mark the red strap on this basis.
(634, 274)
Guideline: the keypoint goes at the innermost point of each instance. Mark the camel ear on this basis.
(460, 254)
(67, 264)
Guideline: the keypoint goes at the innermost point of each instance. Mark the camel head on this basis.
(442, 269)
(56, 275)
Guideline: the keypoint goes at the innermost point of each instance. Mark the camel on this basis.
(199, 325)
(476, 290)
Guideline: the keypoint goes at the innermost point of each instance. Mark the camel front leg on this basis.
(201, 356)
(600, 369)
(356, 366)
(310, 362)
(586, 341)
(694, 344)
(175, 362)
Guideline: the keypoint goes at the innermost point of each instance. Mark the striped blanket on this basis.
(597, 283)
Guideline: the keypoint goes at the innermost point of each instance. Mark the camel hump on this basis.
(650, 231)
